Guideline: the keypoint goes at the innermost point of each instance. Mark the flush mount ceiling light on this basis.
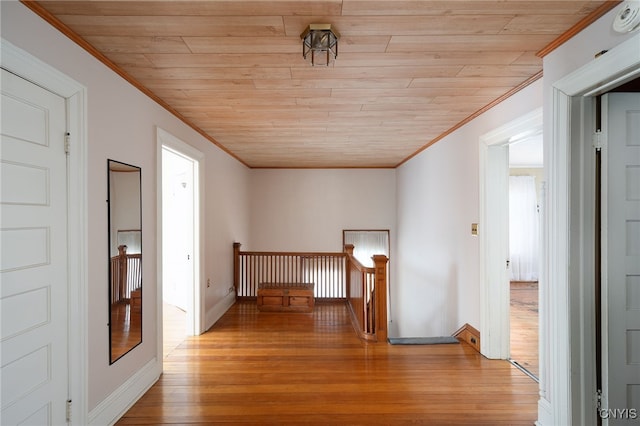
(628, 17)
(321, 41)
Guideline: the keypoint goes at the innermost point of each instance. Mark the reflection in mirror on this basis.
(125, 258)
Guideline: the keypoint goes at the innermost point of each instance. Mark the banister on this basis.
(335, 275)
(367, 297)
(292, 253)
(125, 273)
(360, 267)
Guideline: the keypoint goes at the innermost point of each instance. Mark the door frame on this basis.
(38, 72)
(195, 317)
(494, 234)
(561, 369)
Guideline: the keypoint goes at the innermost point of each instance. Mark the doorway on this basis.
(518, 143)
(569, 321)
(180, 212)
(526, 192)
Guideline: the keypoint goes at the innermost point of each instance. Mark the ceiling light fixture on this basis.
(627, 19)
(322, 42)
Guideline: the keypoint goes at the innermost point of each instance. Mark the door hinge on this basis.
(68, 410)
(67, 143)
(597, 140)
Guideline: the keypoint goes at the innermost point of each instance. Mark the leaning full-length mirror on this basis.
(125, 258)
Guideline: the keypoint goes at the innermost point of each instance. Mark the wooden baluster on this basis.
(246, 263)
(252, 274)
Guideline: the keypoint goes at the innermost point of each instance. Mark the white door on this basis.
(177, 229)
(621, 271)
(33, 256)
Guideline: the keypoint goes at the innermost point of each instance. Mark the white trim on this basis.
(196, 322)
(159, 259)
(494, 234)
(112, 408)
(545, 416)
(619, 64)
(594, 78)
(78, 255)
(555, 381)
(605, 253)
(33, 69)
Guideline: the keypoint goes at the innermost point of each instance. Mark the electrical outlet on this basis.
(208, 282)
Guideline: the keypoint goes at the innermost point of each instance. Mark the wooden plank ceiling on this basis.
(407, 72)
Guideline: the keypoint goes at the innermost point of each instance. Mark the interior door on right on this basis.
(621, 257)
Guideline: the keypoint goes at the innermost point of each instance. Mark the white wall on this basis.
(124, 203)
(437, 272)
(306, 210)
(122, 126)
(226, 220)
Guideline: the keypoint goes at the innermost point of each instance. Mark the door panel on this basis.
(33, 256)
(621, 274)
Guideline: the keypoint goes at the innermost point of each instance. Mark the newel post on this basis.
(348, 248)
(122, 277)
(236, 266)
(380, 265)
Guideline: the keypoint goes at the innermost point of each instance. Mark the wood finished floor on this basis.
(125, 329)
(259, 368)
(173, 328)
(524, 326)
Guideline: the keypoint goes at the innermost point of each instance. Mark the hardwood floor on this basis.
(524, 326)
(125, 329)
(173, 328)
(296, 368)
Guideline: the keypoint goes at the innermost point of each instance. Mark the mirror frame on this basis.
(127, 316)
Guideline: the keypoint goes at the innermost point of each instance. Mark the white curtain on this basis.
(523, 228)
(367, 243)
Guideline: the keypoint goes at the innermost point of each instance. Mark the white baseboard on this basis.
(115, 405)
(545, 414)
(219, 309)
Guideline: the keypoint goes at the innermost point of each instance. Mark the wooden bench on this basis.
(286, 297)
